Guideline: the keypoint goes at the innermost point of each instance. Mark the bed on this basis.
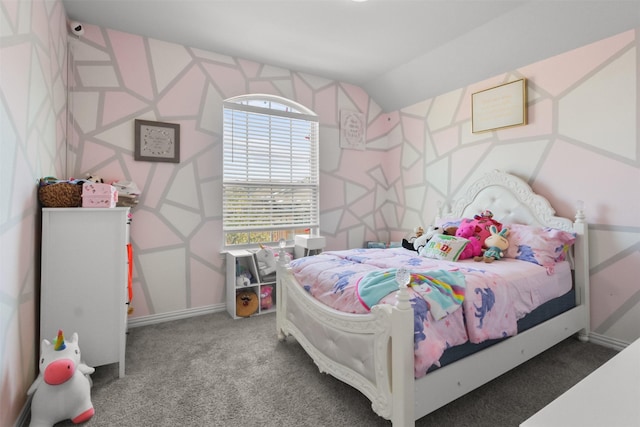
(374, 351)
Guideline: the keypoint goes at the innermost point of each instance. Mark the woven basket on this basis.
(60, 195)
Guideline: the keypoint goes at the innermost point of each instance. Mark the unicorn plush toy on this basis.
(63, 388)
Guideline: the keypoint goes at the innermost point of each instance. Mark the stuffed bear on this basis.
(473, 247)
(496, 244)
(62, 390)
(483, 221)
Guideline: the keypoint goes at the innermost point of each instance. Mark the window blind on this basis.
(270, 177)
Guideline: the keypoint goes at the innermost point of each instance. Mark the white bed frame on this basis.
(374, 352)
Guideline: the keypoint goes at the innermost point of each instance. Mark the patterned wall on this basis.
(33, 123)
(581, 143)
(176, 231)
(581, 120)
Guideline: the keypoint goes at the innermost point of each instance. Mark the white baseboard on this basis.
(605, 341)
(175, 315)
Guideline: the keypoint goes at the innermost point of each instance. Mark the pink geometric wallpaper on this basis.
(581, 120)
(581, 143)
(33, 123)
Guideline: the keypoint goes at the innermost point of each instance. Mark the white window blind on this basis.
(270, 176)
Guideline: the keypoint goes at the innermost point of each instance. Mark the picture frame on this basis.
(499, 107)
(157, 141)
(353, 130)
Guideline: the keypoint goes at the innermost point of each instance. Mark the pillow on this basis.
(444, 247)
(540, 245)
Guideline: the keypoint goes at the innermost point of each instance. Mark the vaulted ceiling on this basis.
(400, 51)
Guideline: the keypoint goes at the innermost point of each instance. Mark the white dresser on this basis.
(84, 280)
(608, 397)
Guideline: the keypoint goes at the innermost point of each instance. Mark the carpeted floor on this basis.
(214, 371)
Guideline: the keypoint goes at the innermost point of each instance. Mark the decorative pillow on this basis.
(444, 247)
(540, 245)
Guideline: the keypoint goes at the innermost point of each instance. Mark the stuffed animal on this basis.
(246, 303)
(483, 220)
(420, 240)
(95, 178)
(408, 243)
(268, 258)
(473, 247)
(243, 276)
(266, 297)
(62, 390)
(266, 261)
(496, 244)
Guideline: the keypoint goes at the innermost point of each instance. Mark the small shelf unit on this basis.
(245, 260)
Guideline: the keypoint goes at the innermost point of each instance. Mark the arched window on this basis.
(270, 170)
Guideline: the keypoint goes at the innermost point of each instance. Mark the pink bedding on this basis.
(496, 294)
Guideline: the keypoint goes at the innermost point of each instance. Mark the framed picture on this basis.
(157, 141)
(352, 130)
(499, 107)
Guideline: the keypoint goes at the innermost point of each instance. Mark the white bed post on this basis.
(402, 357)
(581, 259)
(281, 269)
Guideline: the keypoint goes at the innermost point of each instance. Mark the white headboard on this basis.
(510, 199)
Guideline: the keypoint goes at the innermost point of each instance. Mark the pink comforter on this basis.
(331, 277)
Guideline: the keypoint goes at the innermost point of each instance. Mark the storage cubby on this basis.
(261, 293)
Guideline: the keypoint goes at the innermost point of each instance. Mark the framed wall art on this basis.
(352, 130)
(157, 141)
(499, 107)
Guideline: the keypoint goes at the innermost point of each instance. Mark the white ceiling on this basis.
(400, 51)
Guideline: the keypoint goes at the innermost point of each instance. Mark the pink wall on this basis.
(582, 115)
(33, 127)
(581, 143)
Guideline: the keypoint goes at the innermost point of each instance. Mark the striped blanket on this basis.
(442, 290)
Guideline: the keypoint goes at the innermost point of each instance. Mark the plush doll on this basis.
(473, 247)
(420, 240)
(62, 390)
(408, 243)
(246, 303)
(243, 276)
(266, 297)
(95, 178)
(483, 220)
(266, 261)
(268, 258)
(496, 244)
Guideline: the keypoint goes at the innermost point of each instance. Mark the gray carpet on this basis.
(214, 371)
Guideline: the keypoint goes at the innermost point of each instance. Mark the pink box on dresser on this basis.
(95, 195)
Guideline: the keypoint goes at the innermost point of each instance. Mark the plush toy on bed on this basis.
(496, 244)
(408, 243)
(420, 240)
(473, 247)
(484, 221)
(62, 390)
